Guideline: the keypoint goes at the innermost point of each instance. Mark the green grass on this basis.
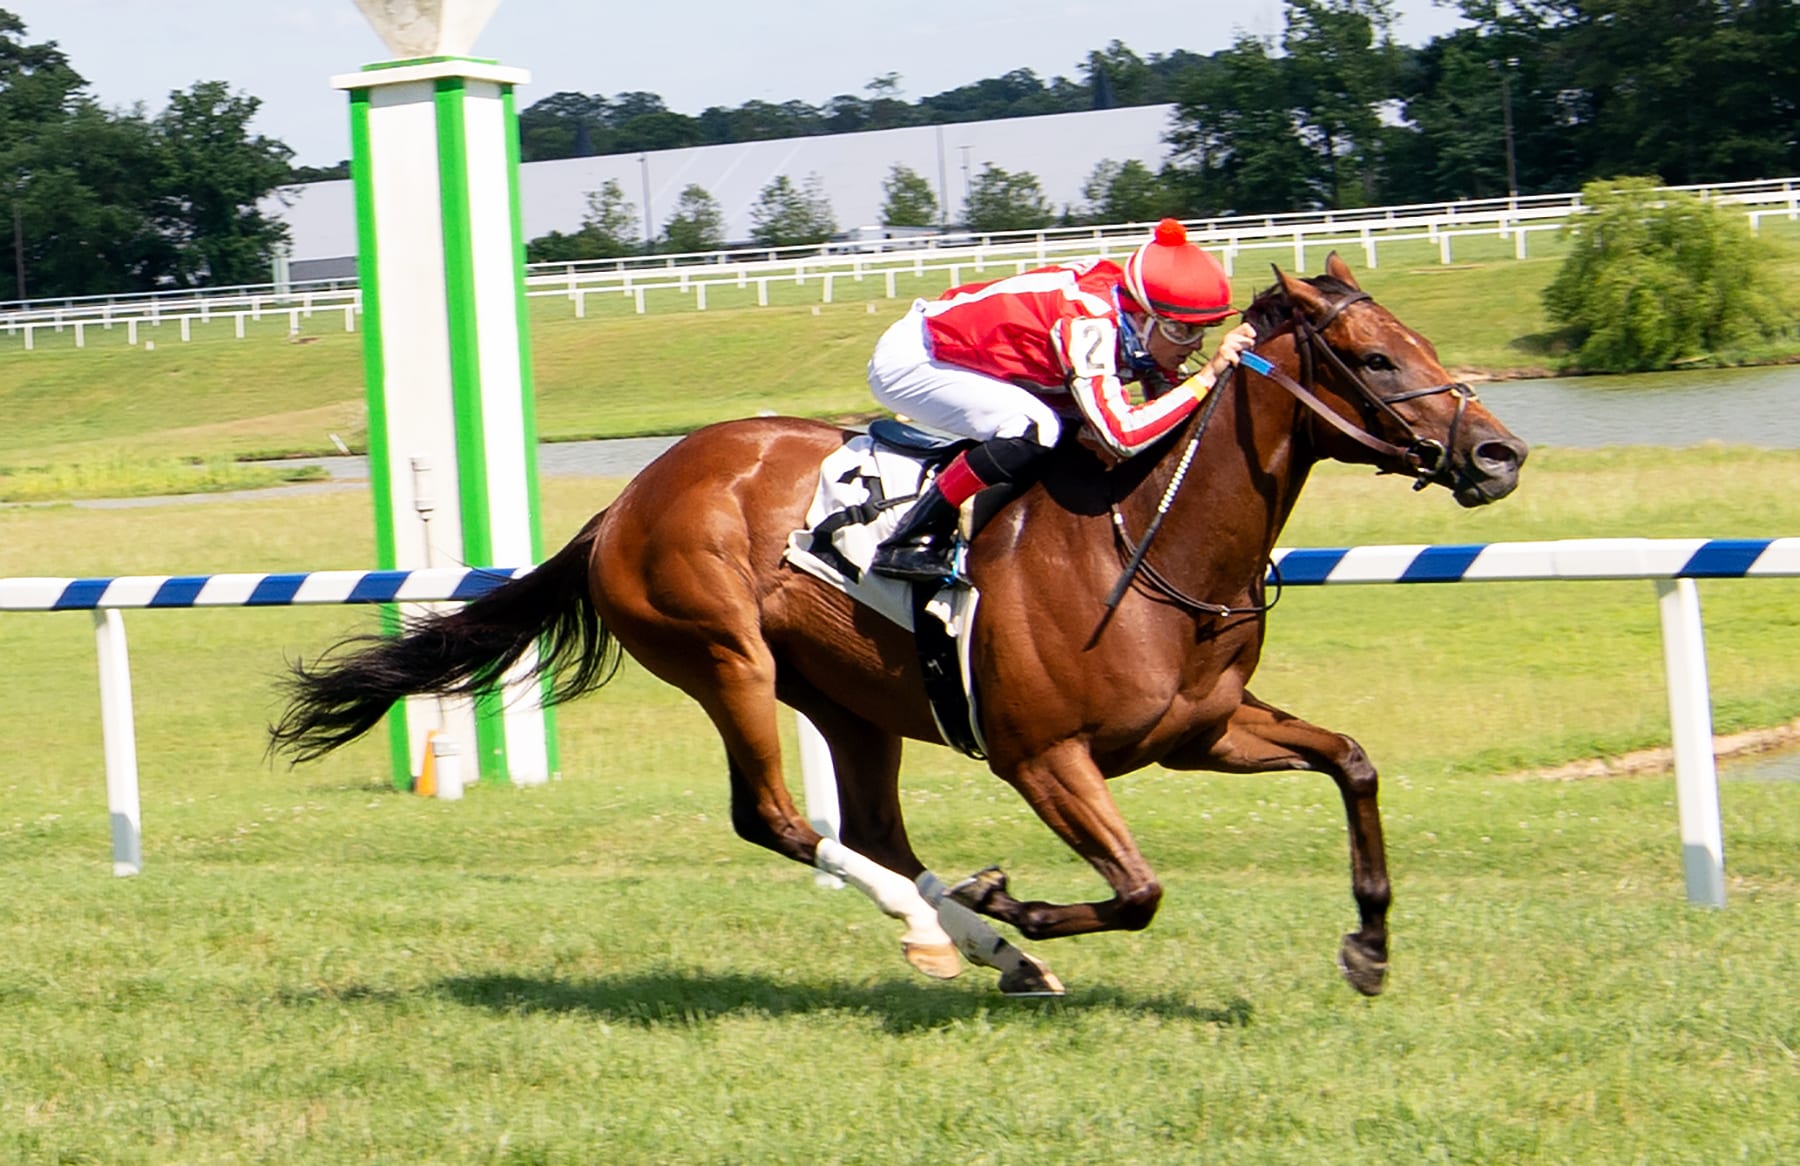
(315, 968)
(125, 477)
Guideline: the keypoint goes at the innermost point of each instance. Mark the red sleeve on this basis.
(1088, 347)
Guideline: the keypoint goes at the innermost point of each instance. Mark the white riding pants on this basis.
(947, 397)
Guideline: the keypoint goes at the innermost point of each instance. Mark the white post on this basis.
(118, 735)
(1690, 722)
(434, 139)
(818, 783)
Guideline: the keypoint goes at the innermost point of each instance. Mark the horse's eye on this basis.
(1379, 362)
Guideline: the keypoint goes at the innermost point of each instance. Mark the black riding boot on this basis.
(920, 547)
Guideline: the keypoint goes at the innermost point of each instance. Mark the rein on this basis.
(1137, 566)
(1425, 457)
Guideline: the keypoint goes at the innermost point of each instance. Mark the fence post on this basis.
(818, 783)
(118, 735)
(1691, 729)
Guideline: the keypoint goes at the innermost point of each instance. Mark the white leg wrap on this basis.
(978, 942)
(893, 893)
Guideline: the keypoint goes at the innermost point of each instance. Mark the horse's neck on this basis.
(1246, 476)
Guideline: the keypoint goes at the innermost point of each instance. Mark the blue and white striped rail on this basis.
(1605, 558)
(1595, 558)
(269, 590)
(1673, 564)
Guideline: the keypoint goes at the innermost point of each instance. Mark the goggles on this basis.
(1179, 332)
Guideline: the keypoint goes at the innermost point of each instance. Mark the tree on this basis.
(90, 210)
(1126, 79)
(1002, 201)
(1343, 65)
(1124, 192)
(551, 127)
(909, 201)
(37, 91)
(786, 215)
(1236, 138)
(609, 230)
(215, 172)
(1654, 276)
(696, 225)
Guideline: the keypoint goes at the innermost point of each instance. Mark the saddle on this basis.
(865, 487)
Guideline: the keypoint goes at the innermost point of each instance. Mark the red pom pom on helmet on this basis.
(1174, 279)
(1170, 233)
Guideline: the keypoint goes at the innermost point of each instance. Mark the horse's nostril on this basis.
(1501, 455)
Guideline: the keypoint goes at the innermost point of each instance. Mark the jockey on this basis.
(1012, 360)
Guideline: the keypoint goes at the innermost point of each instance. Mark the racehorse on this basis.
(684, 571)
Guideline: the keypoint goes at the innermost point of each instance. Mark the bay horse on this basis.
(684, 571)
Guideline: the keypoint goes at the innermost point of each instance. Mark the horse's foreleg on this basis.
(1065, 788)
(1261, 738)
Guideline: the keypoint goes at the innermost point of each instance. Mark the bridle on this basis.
(1427, 459)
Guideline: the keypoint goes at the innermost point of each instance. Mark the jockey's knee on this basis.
(1006, 459)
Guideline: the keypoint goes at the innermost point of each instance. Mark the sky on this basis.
(693, 53)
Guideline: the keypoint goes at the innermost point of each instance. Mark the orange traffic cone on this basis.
(426, 785)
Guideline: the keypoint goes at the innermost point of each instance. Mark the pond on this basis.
(1734, 406)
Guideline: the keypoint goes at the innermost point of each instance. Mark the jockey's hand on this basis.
(1231, 346)
(1234, 344)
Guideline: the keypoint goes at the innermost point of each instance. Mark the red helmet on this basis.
(1174, 279)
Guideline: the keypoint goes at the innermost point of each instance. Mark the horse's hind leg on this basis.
(867, 763)
(1261, 738)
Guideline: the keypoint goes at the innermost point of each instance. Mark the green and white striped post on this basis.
(440, 255)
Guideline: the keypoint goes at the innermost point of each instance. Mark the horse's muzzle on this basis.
(1490, 471)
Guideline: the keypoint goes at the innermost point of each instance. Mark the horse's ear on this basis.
(1301, 294)
(1339, 270)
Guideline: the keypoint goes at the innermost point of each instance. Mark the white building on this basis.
(1060, 150)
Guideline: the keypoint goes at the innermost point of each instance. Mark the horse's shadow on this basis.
(676, 998)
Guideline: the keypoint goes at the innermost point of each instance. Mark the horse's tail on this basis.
(455, 653)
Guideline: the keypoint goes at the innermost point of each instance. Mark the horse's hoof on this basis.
(1362, 966)
(1030, 977)
(937, 960)
(975, 890)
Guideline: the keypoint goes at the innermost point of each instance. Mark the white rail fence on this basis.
(1291, 239)
(1672, 564)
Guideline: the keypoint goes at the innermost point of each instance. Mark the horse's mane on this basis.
(1270, 312)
